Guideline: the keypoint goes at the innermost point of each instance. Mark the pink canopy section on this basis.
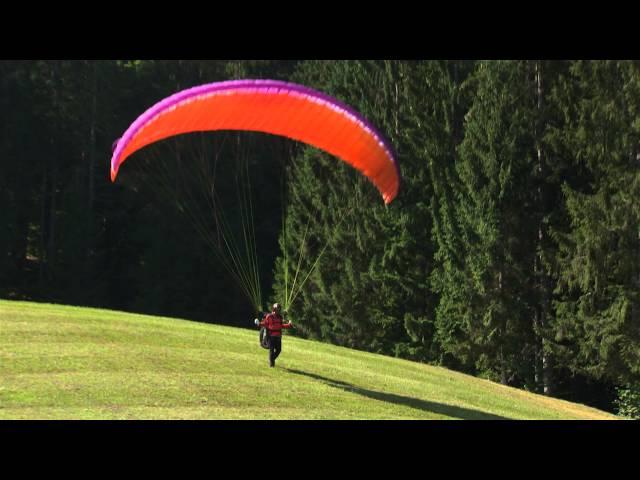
(274, 107)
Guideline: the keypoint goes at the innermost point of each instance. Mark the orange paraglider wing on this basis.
(274, 107)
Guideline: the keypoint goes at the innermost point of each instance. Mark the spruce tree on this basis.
(597, 310)
(374, 277)
(487, 304)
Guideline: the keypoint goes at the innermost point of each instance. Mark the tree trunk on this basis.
(89, 226)
(43, 227)
(51, 241)
(504, 380)
(544, 364)
(635, 306)
(92, 143)
(397, 108)
(49, 182)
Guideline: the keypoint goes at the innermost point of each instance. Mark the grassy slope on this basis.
(60, 362)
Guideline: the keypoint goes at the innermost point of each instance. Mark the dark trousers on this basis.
(275, 347)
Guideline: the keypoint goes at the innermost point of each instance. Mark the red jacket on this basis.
(274, 324)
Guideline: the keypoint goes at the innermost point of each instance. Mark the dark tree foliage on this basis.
(598, 303)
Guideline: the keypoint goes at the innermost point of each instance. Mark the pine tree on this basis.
(597, 317)
(487, 303)
(374, 276)
(332, 212)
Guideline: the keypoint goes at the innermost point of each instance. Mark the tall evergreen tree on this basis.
(485, 316)
(378, 293)
(598, 292)
(341, 213)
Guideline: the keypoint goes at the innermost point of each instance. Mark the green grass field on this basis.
(61, 362)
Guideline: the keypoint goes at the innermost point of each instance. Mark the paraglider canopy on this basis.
(268, 106)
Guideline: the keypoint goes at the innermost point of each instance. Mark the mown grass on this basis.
(62, 362)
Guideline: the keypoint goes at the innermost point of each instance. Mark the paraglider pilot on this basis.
(274, 324)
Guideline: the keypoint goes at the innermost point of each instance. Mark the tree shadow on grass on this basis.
(433, 407)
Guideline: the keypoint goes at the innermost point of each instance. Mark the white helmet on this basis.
(276, 307)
